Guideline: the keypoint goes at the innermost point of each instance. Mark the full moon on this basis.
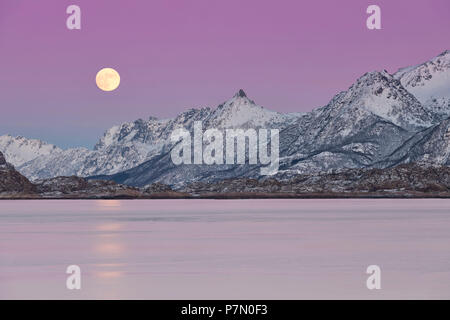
(107, 79)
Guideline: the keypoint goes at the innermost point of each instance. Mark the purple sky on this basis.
(176, 54)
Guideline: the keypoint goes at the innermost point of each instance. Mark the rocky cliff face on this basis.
(11, 181)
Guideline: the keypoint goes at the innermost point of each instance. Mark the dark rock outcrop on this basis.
(2, 160)
(76, 187)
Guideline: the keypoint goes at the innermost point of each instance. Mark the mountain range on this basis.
(381, 121)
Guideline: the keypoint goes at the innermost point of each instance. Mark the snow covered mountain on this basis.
(429, 82)
(426, 147)
(358, 128)
(19, 150)
(380, 121)
(125, 146)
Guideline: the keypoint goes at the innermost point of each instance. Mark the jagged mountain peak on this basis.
(12, 181)
(445, 53)
(379, 93)
(382, 84)
(378, 83)
(427, 147)
(22, 139)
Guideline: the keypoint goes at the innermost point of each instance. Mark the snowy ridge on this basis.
(384, 96)
(127, 145)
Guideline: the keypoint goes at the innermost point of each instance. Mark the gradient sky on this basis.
(177, 54)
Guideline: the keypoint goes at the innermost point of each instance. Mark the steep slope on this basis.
(381, 94)
(19, 150)
(12, 181)
(429, 82)
(76, 187)
(428, 147)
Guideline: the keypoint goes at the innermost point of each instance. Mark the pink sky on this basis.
(172, 55)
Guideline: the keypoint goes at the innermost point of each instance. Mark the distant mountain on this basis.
(382, 120)
(14, 185)
(19, 150)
